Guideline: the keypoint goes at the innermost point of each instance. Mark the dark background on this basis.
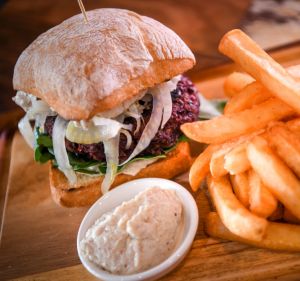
(200, 24)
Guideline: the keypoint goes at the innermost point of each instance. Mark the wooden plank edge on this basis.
(285, 55)
(76, 272)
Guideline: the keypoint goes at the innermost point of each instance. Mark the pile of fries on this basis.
(252, 162)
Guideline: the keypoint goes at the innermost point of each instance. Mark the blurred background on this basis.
(200, 23)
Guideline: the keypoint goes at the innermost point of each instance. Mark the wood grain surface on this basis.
(39, 238)
(199, 24)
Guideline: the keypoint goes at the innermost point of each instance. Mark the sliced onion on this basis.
(150, 129)
(138, 125)
(24, 100)
(163, 94)
(60, 151)
(128, 137)
(38, 106)
(36, 109)
(120, 109)
(99, 129)
(26, 130)
(161, 113)
(111, 124)
(134, 112)
(111, 150)
(40, 120)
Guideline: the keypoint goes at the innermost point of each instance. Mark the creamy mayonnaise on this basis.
(136, 235)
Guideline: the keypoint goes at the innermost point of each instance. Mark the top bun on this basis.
(81, 69)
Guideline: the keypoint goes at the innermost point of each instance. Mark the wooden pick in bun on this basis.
(87, 70)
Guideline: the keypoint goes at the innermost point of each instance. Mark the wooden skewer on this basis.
(83, 10)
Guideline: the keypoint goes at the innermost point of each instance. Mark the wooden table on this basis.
(50, 236)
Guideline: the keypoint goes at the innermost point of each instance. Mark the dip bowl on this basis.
(125, 192)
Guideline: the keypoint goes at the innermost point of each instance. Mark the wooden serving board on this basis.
(39, 237)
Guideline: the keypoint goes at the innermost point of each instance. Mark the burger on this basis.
(104, 101)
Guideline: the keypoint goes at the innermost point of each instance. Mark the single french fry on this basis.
(240, 185)
(244, 51)
(287, 145)
(262, 201)
(217, 161)
(278, 236)
(275, 174)
(289, 217)
(236, 160)
(235, 82)
(233, 214)
(253, 94)
(226, 127)
(200, 168)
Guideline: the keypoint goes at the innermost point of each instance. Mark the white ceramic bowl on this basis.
(126, 192)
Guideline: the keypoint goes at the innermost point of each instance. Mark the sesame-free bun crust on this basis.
(88, 189)
(81, 69)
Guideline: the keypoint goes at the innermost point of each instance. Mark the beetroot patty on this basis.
(185, 109)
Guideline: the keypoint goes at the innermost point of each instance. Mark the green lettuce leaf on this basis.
(44, 152)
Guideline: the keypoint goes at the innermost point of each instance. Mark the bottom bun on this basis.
(88, 188)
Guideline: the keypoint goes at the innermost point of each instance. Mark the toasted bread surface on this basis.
(88, 189)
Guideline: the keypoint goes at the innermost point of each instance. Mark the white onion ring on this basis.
(59, 148)
(37, 110)
(111, 124)
(128, 138)
(26, 131)
(163, 94)
(161, 113)
(111, 150)
(150, 129)
(134, 113)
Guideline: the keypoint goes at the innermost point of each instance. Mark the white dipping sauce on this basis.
(136, 235)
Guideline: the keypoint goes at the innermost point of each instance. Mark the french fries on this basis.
(201, 165)
(235, 82)
(275, 174)
(278, 236)
(287, 145)
(251, 95)
(243, 50)
(233, 214)
(241, 188)
(255, 144)
(226, 127)
(262, 201)
(236, 160)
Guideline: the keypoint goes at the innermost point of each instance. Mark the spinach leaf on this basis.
(44, 140)
(41, 155)
(44, 152)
